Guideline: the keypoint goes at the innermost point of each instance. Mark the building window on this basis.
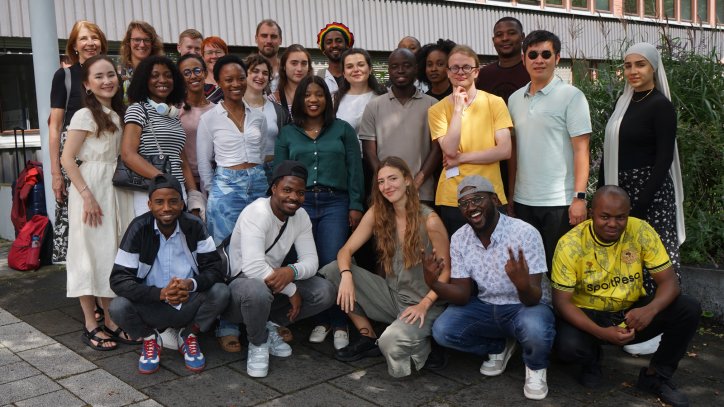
(605, 5)
(685, 10)
(720, 11)
(670, 9)
(580, 4)
(631, 6)
(650, 8)
(554, 3)
(702, 11)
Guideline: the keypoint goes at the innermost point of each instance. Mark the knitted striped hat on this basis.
(335, 26)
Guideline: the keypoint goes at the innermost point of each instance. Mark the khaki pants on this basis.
(401, 341)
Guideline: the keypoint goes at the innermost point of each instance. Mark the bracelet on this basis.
(294, 269)
(83, 189)
(346, 270)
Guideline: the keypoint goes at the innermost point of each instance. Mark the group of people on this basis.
(449, 204)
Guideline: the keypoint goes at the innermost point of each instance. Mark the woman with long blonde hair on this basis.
(409, 236)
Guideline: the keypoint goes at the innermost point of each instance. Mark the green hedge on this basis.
(697, 91)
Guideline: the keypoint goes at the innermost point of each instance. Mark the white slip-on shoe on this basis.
(257, 360)
(536, 387)
(319, 333)
(496, 363)
(170, 338)
(643, 348)
(341, 339)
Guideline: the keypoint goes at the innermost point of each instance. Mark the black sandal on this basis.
(99, 314)
(89, 337)
(119, 335)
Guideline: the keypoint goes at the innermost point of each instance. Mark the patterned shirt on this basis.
(470, 259)
(607, 276)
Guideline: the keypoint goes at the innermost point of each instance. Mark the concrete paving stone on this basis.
(53, 322)
(304, 368)
(125, 367)
(327, 348)
(376, 385)
(56, 361)
(26, 388)
(73, 311)
(146, 403)
(73, 342)
(215, 387)
(321, 395)
(25, 295)
(7, 357)
(60, 398)
(7, 318)
(21, 336)
(462, 367)
(100, 388)
(17, 371)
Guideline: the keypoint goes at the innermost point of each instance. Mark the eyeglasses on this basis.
(534, 54)
(211, 52)
(475, 201)
(138, 41)
(195, 71)
(465, 68)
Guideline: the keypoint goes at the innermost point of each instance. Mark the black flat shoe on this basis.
(363, 347)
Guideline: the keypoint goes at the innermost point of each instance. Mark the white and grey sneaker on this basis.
(536, 387)
(496, 363)
(277, 346)
(341, 339)
(170, 339)
(257, 360)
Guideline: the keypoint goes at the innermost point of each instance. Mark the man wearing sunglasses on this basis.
(504, 256)
(552, 128)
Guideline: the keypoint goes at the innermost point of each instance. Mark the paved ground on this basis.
(44, 363)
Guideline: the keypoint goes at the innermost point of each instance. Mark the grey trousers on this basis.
(252, 303)
(141, 319)
(400, 342)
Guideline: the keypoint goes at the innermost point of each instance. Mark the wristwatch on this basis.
(580, 195)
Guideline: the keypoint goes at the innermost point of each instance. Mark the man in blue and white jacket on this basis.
(167, 274)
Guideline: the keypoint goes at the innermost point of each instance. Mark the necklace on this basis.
(232, 116)
(313, 131)
(645, 96)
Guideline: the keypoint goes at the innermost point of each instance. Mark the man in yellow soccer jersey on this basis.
(599, 296)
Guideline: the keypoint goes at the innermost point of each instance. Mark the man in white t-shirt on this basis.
(265, 294)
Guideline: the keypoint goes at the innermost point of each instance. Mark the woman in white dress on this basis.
(98, 213)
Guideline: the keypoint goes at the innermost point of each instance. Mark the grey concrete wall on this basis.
(707, 285)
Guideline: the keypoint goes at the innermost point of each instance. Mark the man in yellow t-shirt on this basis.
(599, 296)
(473, 129)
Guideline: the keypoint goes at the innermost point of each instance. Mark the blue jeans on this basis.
(482, 328)
(329, 213)
(231, 191)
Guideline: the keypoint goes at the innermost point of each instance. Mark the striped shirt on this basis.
(168, 130)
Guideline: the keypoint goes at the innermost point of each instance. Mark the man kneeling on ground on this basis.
(167, 274)
(599, 294)
(505, 257)
(263, 293)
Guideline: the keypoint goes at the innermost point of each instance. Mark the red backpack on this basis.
(31, 176)
(32, 247)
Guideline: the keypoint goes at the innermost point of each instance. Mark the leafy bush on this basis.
(697, 91)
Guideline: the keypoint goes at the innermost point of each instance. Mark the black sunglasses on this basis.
(534, 54)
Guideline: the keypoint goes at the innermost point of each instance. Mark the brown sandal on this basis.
(285, 334)
(229, 343)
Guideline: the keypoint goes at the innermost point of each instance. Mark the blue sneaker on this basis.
(150, 360)
(193, 358)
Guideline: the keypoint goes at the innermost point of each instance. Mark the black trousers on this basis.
(677, 322)
(550, 221)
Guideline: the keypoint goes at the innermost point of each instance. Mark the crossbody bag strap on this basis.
(150, 123)
(279, 235)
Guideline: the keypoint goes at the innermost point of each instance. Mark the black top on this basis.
(440, 96)
(646, 139)
(502, 82)
(58, 94)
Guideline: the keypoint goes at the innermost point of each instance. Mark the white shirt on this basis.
(255, 231)
(351, 108)
(218, 139)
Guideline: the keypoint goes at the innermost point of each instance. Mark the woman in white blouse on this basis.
(231, 135)
(358, 87)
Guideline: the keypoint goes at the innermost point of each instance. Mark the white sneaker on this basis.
(257, 360)
(496, 363)
(170, 339)
(341, 339)
(535, 387)
(643, 348)
(319, 333)
(277, 346)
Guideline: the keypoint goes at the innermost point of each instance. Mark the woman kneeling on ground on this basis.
(406, 233)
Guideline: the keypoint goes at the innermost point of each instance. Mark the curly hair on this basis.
(73, 38)
(103, 120)
(444, 46)
(345, 86)
(385, 226)
(259, 59)
(156, 44)
(138, 89)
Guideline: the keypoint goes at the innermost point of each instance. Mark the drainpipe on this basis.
(44, 38)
